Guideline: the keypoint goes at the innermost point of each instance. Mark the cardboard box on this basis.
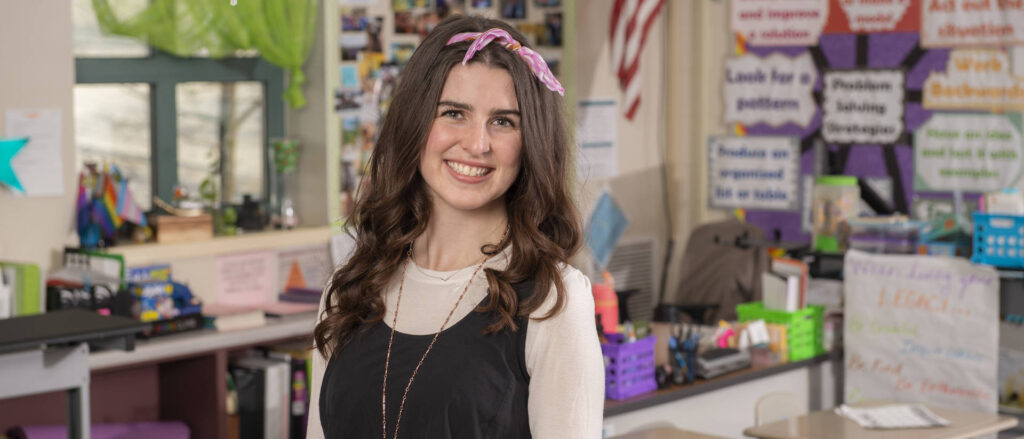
(170, 228)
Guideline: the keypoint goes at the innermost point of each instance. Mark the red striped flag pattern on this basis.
(631, 21)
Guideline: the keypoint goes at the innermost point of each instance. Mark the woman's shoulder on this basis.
(579, 301)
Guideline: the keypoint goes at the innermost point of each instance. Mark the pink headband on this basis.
(532, 58)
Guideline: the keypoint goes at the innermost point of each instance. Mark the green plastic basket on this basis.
(803, 327)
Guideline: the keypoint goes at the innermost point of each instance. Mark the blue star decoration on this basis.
(8, 149)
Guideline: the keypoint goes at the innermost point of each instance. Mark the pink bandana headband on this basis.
(532, 58)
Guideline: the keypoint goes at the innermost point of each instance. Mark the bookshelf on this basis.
(204, 341)
(143, 254)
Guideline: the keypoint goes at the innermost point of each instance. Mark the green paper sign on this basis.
(969, 152)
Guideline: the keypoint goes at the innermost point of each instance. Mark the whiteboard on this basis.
(921, 329)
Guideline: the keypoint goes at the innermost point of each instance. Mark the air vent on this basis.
(635, 265)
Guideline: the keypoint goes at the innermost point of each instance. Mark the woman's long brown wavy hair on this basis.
(394, 208)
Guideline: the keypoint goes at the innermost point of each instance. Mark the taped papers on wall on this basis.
(847, 16)
(948, 23)
(775, 90)
(975, 80)
(39, 165)
(755, 172)
(968, 152)
(779, 22)
(597, 134)
(863, 106)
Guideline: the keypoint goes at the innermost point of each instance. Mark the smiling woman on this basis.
(491, 333)
(472, 153)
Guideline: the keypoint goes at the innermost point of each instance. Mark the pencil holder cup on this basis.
(628, 367)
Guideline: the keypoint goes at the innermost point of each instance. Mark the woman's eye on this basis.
(505, 122)
(454, 114)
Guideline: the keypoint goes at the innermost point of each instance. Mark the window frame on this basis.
(163, 72)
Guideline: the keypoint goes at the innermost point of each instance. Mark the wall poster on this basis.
(921, 329)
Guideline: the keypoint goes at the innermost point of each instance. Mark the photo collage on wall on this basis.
(377, 38)
(895, 92)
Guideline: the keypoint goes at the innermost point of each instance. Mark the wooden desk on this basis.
(963, 424)
(666, 433)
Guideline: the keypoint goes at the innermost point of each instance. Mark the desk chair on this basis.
(778, 405)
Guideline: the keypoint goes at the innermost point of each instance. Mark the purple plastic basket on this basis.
(628, 367)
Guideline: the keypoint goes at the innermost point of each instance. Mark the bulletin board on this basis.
(921, 98)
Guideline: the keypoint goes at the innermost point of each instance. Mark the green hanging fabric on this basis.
(281, 30)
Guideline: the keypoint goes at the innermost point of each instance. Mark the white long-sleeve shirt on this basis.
(563, 356)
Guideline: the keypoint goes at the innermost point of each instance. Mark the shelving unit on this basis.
(142, 254)
(180, 377)
(205, 341)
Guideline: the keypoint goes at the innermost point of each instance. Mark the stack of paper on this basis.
(228, 317)
(892, 416)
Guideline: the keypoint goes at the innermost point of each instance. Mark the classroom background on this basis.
(790, 206)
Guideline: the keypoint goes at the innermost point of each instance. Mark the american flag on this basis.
(631, 20)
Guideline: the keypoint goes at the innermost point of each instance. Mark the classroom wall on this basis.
(37, 71)
(713, 45)
(318, 129)
(645, 158)
(681, 70)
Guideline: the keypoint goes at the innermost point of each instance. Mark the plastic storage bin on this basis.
(884, 234)
(628, 367)
(878, 244)
(998, 240)
(803, 328)
(835, 202)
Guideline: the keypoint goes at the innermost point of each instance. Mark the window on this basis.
(112, 126)
(220, 131)
(167, 121)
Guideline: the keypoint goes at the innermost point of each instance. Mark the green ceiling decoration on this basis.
(281, 30)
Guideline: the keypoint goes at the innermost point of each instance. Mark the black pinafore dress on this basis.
(471, 385)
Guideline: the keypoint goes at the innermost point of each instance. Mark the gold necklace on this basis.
(387, 357)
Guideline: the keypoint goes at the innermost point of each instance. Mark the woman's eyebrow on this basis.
(458, 105)
(501, 112)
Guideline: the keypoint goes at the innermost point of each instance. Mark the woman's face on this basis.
(472, 153)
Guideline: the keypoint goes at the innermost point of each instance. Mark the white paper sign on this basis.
(304, 267)
(874, 15)
(970, 152)
(754, 172)
(862, 106)
(948, 23)
(245, 278)
(921, 329)
(775, 90)
(975, 79)
(597, 131)
(38, 165)
(779, 22)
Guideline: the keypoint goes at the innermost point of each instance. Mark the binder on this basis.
(299, 356)
(263, 397)
(26, 288)
(250, 388)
